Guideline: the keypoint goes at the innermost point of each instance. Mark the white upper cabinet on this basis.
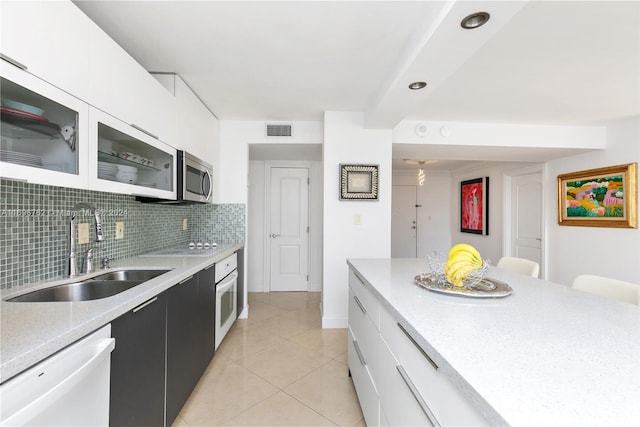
(50, 39)
(44, 131)
(121, 87)
(126, 160)
(197, 127)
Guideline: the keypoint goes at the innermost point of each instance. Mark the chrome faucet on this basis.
(73, 263)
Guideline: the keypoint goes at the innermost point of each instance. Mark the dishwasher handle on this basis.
(40, 403)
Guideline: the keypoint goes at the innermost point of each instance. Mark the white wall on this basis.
(501, 135)
(434, 217)
(235, 137)
(346, 141)
(611, 252)
(255, 227)
(233, 174)
(491, 246)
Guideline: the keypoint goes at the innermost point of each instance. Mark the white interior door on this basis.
(526, 217)
(403, 221)
(289, 229)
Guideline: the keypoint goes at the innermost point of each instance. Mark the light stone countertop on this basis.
(546, 355)
(33, 331)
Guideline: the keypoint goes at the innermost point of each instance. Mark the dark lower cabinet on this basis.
(184, 339)
(137, 366)
(240, 254)
(170, 337)
(207, 310)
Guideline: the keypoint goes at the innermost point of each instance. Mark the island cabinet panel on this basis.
(365, 389)
(443, 399)
(398, 403)
(137, 366)
(362, 348)
(397, 381)
(184, 343)
(365, 298)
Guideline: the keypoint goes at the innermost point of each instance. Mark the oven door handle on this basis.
(224, 285)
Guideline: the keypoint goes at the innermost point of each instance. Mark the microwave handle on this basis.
(210, 184)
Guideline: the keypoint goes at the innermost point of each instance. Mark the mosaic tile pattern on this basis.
(34, 228)
(225, 223)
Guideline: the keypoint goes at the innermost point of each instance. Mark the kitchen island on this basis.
(544, 355)
(32, 331)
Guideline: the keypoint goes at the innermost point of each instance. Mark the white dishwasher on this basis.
(70, 388)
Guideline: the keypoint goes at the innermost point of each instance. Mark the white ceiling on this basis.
(547, 62)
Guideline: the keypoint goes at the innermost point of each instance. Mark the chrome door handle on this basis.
(364, 310)
(359, 353)
(416, 394)
(424, 353)
(273, 236)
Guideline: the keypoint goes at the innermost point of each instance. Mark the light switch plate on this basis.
(184, 224)
(357, 219)
(83, 233)
(119, 230)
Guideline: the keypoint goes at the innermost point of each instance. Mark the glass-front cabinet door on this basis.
(43, 131)
(127, 160)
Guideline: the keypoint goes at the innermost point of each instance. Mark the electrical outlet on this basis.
(119, 230)
(184, 224)
(357, 219)
(83, 233)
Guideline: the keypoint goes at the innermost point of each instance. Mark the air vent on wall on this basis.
(278, 130)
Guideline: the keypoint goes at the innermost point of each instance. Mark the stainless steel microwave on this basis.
(194, 182)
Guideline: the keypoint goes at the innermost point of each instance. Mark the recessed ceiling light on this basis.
(417, 85)
(475, 20)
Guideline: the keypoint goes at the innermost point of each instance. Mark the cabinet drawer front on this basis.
(367, 300)
(398, 404)
(364, 332)
(226, 266)
(365, 389)
(446, 402)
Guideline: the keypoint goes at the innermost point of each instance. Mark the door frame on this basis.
(507, 222)
(268, 165)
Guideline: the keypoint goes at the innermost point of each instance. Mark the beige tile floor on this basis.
(277, 368)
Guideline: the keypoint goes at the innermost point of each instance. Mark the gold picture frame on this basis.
(603, 197)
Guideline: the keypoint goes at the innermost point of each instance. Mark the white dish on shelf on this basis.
(126, 178)
(110, 177)
(125, 168)
(20, 158)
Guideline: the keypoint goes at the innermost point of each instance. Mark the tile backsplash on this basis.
(34, 228)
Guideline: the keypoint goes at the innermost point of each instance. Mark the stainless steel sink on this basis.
(102, 286)
(142, 275)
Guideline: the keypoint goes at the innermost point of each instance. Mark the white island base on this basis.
(545, 355)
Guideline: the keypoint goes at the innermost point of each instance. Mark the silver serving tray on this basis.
(486, 288)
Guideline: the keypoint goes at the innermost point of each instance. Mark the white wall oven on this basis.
(226, 277)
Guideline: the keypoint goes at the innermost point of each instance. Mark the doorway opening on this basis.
(284, 213)
(524, 215)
